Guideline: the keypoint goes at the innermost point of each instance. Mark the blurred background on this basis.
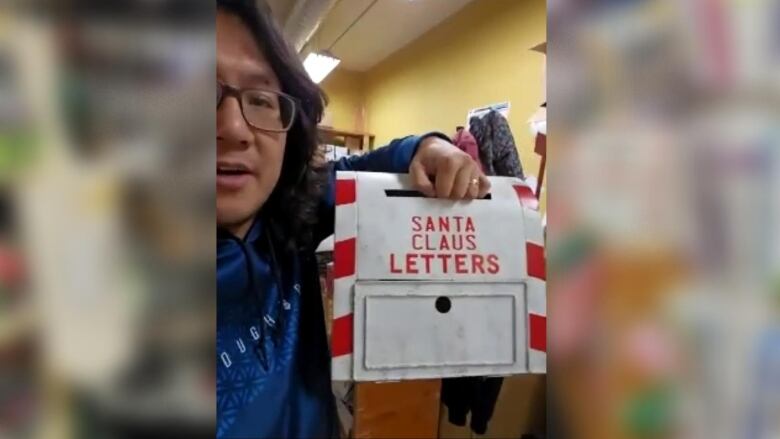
(107, 320)
(664, 251)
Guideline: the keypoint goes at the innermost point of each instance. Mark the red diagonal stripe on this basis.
(345, 192)
(341, 336)
(344, 258)
(526, 196)
(537, 328)
(535, 260)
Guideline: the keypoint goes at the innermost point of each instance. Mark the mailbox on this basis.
(430, 288)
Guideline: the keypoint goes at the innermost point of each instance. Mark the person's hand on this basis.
(440, 169)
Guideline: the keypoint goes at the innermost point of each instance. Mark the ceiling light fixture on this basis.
(319, 65)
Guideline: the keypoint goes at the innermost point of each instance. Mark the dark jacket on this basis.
(497, 149)
(273, 361)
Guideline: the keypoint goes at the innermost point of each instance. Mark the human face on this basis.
(253, 156)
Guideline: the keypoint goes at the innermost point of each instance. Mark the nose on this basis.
(232, 129)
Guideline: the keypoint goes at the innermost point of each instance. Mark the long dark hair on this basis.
(292, 207)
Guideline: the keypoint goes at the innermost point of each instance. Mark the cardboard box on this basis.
(406, 409)
(428, 288)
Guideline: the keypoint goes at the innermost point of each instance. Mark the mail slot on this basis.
(429, 288)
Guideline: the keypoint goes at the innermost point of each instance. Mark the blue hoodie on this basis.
(273, 366)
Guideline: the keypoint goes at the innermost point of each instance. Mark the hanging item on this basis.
(466, 142)
(501, 107)
(477, 395)
(497, 148)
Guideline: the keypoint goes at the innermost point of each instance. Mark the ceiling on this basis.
(387, 26)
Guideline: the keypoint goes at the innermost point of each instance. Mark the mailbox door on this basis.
(409, 330)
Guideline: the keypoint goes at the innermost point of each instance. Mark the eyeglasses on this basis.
(263, 109)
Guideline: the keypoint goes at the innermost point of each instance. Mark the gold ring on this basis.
(475, 181)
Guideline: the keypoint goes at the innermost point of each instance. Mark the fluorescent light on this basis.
(318, 65)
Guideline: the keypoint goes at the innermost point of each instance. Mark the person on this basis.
(273, 207)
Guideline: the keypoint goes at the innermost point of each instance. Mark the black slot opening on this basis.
(407, 193)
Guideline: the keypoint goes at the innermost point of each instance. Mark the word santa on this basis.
(446, 245)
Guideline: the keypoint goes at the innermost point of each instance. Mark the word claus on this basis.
(440, 243)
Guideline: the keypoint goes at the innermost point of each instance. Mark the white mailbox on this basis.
(427, 288)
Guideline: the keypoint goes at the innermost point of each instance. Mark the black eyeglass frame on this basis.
(228, 90)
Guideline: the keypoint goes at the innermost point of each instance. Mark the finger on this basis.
(420, 179)
(445, 177)
(484, 186)
(473, 191)
(462, 183)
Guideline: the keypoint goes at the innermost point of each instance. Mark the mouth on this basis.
(232, 176)
(232, 169)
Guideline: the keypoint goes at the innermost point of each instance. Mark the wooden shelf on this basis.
(350, 139)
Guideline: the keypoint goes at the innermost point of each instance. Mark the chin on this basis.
(234, 210)
(227, 217)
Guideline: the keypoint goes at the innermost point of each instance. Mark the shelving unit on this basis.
(353, 140)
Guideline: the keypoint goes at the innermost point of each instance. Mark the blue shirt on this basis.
(260, 390)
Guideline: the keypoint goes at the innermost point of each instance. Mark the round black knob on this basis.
(443, 304)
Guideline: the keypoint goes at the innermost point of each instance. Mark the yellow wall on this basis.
(478, 56)
(345, 99)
